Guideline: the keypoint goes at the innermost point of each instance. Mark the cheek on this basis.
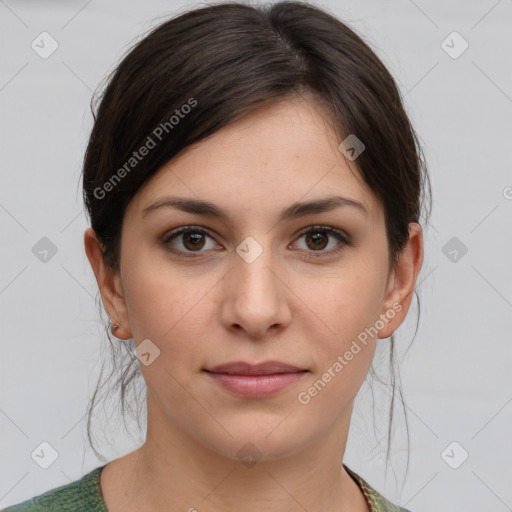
(346, 302)
(346, 307)
(342, 357)
(168, 307)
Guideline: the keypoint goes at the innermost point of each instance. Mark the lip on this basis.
(264, 368)
(255, 380)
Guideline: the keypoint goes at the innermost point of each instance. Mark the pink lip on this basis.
(256, 380)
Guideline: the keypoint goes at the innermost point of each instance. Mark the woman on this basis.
(254, 187)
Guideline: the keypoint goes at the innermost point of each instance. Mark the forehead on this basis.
(277, 155)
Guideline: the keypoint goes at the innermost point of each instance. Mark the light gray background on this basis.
(457, 376)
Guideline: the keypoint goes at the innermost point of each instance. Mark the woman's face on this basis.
(281, 275)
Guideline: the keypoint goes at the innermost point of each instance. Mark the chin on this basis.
(253, 442)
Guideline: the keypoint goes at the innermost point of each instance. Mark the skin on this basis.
(218, 308)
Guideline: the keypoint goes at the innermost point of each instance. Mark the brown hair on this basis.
(230, 59)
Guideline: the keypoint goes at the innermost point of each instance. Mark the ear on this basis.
(109, 284)
(402, 281)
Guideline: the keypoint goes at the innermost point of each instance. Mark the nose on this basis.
(255, 297)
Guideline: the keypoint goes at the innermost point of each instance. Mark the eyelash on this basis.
(344, 241)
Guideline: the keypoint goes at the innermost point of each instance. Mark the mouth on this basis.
(255, 380)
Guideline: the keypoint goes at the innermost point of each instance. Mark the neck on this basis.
(171, 470)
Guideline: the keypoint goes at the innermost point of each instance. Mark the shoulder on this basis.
(376, 501)
(83, 495)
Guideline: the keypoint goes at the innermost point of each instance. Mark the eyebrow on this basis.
(295, 210)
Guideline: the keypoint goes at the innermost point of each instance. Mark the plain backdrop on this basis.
(451, 60)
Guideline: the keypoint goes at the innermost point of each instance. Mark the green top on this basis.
(84, 495)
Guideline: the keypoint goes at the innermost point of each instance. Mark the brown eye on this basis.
(193, 241)
(318, 238)
(188, 240)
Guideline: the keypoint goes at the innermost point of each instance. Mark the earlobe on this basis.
(402, 281)
(106, 278)
(117, 331)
